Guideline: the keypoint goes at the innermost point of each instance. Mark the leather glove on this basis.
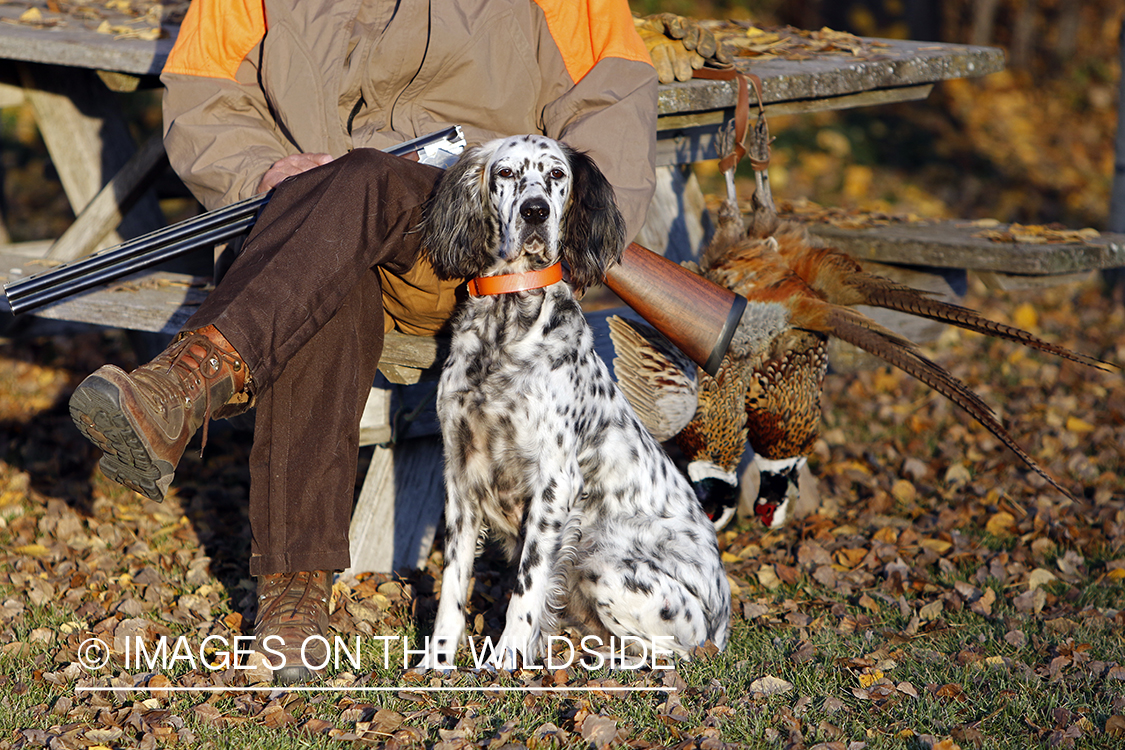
(677, 45)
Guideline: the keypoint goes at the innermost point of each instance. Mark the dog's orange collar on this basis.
(515, 282)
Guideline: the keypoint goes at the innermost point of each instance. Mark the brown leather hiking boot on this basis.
(142, 420)
(293, 607)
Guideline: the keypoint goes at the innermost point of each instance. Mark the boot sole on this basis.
(127, 457)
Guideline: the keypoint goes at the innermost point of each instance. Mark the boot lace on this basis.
(209, 366)
(292, 602)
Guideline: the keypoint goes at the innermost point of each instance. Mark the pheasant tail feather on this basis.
(841, 280)
(910, 301)
(858, 330)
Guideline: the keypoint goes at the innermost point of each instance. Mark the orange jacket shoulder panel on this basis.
(215, 36)
(590, 30)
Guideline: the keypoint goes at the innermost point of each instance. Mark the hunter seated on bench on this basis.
(296, 325)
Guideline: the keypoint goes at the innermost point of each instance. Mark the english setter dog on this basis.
(540, 446)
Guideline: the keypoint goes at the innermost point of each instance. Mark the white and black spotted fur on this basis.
(541, 447)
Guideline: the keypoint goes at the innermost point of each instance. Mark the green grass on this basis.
(963, 678)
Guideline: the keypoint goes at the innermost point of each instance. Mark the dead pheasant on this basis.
(767, 392)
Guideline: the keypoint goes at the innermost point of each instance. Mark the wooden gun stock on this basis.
(695, 314)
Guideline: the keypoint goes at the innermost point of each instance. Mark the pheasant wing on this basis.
(657, 379)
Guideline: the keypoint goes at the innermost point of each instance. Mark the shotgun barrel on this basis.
(207, 229)
(694, 313)
(134, 255)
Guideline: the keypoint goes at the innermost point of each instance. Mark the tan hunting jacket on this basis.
(249, 82)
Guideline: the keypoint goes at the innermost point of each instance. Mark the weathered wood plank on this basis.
(399, 507)
(75, 44)
(824, 77)
(158, 302)
(162, 302)
(954, 244)
(11, 96)
(375, 422)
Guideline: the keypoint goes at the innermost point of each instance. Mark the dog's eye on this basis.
(556, 174)
(504, 172)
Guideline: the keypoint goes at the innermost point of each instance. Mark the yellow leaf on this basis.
(947, 745)
(857, 182)
(1000, 524)
(1116, 574)
(1025, 316)
(887, 535)
(939, 546)
(886, 381)
(1074, 424)
(850, 557)
(31, 15)
(31, 550)
(729, 558)
(867, 680)
(767, 576)
(904, 491)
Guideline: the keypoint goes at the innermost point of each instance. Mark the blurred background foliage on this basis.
(1033, 144)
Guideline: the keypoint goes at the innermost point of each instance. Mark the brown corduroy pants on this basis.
(302, 304)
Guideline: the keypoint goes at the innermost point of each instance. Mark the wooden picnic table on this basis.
(68, 71)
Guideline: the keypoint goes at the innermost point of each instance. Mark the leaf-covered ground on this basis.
(941, 596)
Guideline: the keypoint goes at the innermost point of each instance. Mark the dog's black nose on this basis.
(535, 210)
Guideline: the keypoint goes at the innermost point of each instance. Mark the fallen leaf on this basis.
(1040, 577)
(983, 605)
(767, 576)
(939, 546)
(1081, 426)
(1000, 524)
(869, 679)
(770, 685)
(599, 731)
(931, 611)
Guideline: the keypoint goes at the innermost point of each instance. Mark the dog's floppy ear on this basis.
(593, 235)
(457, 228)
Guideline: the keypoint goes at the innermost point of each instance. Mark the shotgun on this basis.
(439, 149)
(697, 315)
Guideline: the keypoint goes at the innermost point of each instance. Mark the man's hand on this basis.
(290, 166)
(677, 45)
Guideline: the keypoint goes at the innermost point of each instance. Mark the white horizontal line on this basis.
(331, 689)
